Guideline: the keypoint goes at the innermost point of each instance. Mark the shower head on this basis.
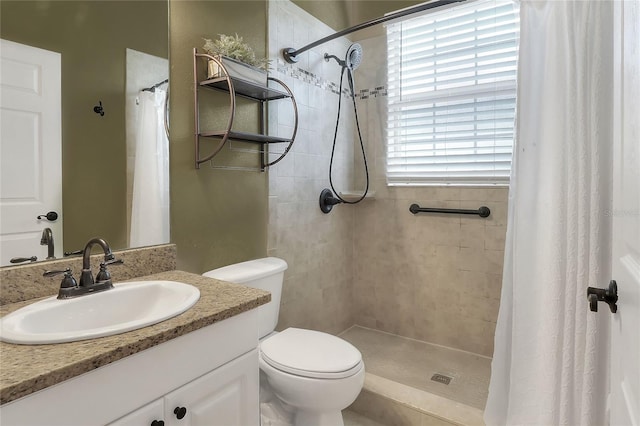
(353, 57)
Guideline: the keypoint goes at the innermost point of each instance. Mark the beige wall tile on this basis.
(317, 292)
(484, 194)
(429, 277)
(498, 215)
(472, 235)
(481, 284)
(480, 260)
(494, 237)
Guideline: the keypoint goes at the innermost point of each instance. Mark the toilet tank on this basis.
(265, 274)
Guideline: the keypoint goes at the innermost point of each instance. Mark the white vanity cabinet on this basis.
(219, 398)
(150, 414)
(212, 372)
(224, 397)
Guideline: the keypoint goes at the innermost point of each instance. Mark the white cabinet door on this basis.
(227, 396)
(145, 416)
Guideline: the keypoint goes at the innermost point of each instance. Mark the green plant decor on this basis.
(235, 48)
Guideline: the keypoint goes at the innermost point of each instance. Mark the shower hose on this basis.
(335, 136)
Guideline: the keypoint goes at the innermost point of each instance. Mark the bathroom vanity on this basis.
(198, 368)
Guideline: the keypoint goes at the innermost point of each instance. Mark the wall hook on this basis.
(98, 109)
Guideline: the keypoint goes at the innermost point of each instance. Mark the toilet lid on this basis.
(310, 353)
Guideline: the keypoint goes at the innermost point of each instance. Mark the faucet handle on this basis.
(23, 259)
(54, 273)
(67, 282)
(113, 262)
(103, 274)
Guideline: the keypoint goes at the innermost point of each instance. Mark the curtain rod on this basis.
(291, 55)
(153, 88)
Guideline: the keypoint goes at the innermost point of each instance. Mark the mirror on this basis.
(110, 51)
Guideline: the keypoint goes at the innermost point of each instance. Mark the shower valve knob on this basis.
(608, 295)
(327, 200)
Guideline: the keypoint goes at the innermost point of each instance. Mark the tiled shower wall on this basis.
(317, 247)
(430, 277)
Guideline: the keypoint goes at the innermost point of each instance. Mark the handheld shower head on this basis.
(353, 58)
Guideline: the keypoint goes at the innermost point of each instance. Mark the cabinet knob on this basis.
(180, 412)
(157, 423)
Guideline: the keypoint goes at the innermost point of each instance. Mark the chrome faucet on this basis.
(47, 240)
(70, 288)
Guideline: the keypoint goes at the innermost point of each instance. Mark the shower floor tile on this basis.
(413, 363)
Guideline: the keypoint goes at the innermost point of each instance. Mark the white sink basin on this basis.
(128, 306)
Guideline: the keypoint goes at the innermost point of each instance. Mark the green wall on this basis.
(341, 14)
(334, 13)
(217, 216)
(92, 37)
(220, 217)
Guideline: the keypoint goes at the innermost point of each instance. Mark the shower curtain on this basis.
(550, 363)
(150, 200)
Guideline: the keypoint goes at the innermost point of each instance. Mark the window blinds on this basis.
(452, 89)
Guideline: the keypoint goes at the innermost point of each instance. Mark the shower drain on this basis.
(441, 378)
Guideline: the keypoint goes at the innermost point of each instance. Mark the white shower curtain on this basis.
(150, 200)
(550, 358)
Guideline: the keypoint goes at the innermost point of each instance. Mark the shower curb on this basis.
(393, 403)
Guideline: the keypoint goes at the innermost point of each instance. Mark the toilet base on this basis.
(274, 412)
(309, 418)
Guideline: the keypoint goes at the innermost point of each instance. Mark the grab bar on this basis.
(483, 211)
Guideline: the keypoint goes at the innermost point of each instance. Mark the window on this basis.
(452, 92)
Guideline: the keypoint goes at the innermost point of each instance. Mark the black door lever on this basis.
(51, 216)
(607, 295)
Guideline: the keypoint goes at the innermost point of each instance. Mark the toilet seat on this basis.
(312, 354)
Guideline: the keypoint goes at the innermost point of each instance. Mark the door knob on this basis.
(607, 295)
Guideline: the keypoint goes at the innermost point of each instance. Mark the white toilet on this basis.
(314, 375)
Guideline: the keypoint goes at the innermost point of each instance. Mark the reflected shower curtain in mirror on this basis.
(150, 199)
(550, 362)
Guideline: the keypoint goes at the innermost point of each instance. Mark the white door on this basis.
(624, 403)
(30, 150)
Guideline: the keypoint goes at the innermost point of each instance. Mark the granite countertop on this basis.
(25, 369)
